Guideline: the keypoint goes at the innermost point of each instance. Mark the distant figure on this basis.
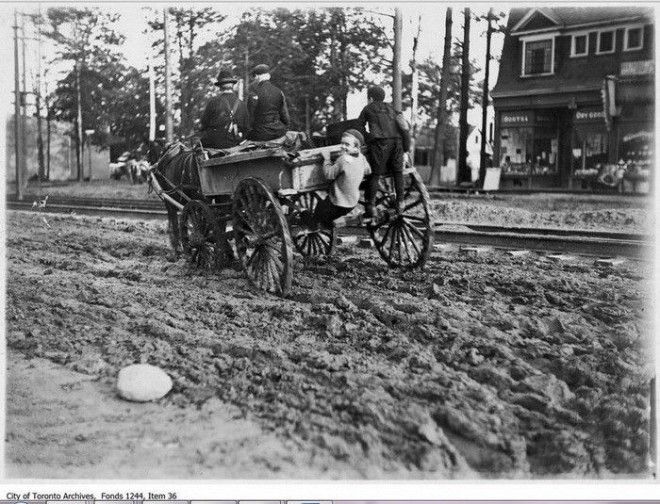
(224, 121)
(269, 116)
(386, 142)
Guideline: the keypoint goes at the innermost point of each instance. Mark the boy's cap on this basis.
(355, 133)
(376, 92)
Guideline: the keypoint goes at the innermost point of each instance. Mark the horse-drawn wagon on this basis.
(249, 201)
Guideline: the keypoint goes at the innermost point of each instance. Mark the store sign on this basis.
(644, 67)
(516, 118)
(589, 115)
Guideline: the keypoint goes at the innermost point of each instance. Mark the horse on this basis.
(175, 168)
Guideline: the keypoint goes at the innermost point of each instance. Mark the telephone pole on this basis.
(464, 174)
(169, 130)
(79, 139)
(17, 114)
(396, 62)
(415, 89)
(484, 102)
(24, 106)
(40, 138)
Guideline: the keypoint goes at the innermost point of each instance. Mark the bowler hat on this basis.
(260, 69)
(225, 77)
(356, 134)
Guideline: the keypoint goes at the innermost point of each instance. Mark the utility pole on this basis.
(152, 100)
(396, 62)
(79, 137)
(17, 113)
(24, 107)
(439, 147)
(484, 102)
(169, 133)
(246, 82)
(464, 174)
(415, 89)
(40, 138)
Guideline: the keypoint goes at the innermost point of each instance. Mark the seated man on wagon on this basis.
(224, 122)
(346, 174)
(269, 115)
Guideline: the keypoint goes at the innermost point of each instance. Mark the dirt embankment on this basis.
(477, 366)
(613, 213)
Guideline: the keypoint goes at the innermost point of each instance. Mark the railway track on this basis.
(564, 241)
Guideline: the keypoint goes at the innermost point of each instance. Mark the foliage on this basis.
(195, 65)
(85, 38)
(315, 56)
(429, 85)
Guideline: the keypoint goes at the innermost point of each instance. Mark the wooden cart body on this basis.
(280, 171)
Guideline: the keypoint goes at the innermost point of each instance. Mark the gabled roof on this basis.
(536, 18)
(523, 20)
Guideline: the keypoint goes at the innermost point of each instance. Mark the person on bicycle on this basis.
(224, 122)
(387, 141)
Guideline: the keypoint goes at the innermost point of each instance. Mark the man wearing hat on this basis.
(269, 116)
(224, 122)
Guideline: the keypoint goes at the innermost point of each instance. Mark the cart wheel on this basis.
(403, 240)
(201, 238)
(307, 242)
(261, 237)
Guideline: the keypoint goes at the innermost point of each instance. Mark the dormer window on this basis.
(538, 56)
(634, 38)
(580, 45)
(606, 42)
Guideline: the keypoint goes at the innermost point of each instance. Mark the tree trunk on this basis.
(48, 135)
(169, 130)
(439, 148)
(484, 104)
(464, 174)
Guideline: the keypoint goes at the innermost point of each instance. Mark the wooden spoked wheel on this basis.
(201, 236)
(309, 241)
(261, 237)
(403, 239)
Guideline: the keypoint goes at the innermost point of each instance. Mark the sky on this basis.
(133, 22)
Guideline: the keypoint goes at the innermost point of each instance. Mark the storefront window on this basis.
(529, 142)
(637, 145)
(545, 152)
(516, 149)
(589, 151)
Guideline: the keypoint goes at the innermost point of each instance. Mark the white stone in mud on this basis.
(143, 382)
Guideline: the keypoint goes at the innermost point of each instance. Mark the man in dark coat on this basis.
(224, 122)
(387, 142)
(269, 116)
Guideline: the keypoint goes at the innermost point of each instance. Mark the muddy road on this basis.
(487, 366)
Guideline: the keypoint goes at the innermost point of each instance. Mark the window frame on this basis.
(586, 47)
(600, 32)
(539, 38)
(639, 27)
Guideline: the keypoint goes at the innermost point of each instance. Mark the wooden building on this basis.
(575, 92)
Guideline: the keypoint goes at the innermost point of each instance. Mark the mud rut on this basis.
(499, 366)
